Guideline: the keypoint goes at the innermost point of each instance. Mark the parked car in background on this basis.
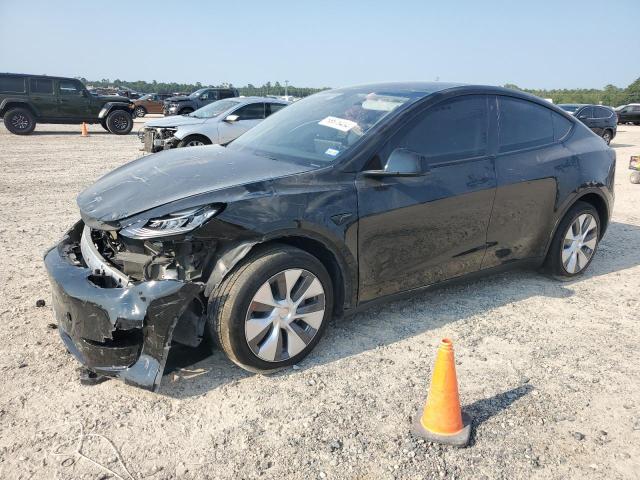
(629, 114)
(28, 99)
(219, 122)
(150, 103)
(183, 105)
(344, 198)
(602, 120)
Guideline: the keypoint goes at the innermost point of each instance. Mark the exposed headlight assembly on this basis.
(173, 224)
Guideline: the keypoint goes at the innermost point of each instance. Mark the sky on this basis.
(533, 44)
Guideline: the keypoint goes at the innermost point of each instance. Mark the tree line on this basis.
(609, 95)
(141, 86)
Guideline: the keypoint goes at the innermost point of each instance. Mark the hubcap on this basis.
(120, 122)
(579, 243)
(607, 137)
(20, 121)
(285, 315)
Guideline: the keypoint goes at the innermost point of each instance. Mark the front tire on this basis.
(194, 141)
(139, 112)
(607, 135)
(20, 121)
(271, 311)
(575, 242)
(119, 122)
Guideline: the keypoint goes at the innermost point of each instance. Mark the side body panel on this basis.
(417, 231)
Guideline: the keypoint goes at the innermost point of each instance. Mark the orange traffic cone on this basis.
(85, 130)
(442, 420)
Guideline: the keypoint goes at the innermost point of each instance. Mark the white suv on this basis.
(216, 123)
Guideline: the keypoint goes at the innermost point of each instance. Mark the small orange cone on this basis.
(85, 130)
(442, 420)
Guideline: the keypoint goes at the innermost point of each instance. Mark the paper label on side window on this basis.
(341, 124)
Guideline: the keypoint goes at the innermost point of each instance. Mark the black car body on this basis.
(28, 99)
(629, 114)
(344, 198)
(181, 105)
(602, 120)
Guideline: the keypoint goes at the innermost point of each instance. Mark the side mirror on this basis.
(231, 118)
(401, 163)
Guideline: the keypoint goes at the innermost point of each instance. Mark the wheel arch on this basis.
(337, 267)
(191, 135)
(9, 104)
(600, 204)
(109, 107)
(595, 199)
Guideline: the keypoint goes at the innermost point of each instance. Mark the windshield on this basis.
(569, 108)
(197, 93)
(320, 128)
(214, 109)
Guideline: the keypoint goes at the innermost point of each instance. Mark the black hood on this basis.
(113, 98)
(172, 175)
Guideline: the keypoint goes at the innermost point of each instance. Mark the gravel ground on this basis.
(548, 370)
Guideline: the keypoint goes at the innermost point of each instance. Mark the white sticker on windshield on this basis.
(332, 151)
(341, 124)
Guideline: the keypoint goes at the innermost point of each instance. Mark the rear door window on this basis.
(273, 108)
(585, 113)
(600, 112)
(453, 130)
(225, 94)
(523, 124)
(11, 84)
(253, 111)
(41, 85)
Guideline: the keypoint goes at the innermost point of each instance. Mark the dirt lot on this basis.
(549, 370)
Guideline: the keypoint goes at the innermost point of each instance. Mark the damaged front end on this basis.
(121, 302)
(158, 139)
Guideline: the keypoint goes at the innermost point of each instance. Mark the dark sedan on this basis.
(344, 198)
(602, 120)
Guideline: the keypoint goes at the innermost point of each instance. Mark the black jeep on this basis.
(27, 99)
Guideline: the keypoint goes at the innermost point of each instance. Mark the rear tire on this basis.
(20, 121)
(575, 242)
(607, 135)
(263, 337)
(103, 124)
(119, 122)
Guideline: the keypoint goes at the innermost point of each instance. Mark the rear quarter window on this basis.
(561, 126)
(9, 84)
(523, 124)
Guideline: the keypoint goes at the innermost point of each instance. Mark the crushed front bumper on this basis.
(155, 141)
(114, 330)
